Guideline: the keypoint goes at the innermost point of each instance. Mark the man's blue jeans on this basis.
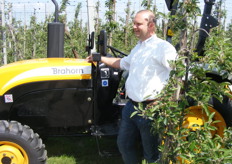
(130, 128)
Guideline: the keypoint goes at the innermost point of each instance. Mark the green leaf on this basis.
(133, 114)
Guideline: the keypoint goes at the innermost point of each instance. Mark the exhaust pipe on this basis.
(55, 42)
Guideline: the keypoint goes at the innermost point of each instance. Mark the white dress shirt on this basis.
(148, 68)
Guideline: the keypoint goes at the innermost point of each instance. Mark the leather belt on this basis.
(145, 103)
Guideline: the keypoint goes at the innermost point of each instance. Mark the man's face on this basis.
(141, 26)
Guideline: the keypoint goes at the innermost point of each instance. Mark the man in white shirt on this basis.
(148, 73)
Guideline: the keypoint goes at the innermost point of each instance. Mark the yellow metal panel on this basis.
(43, 70)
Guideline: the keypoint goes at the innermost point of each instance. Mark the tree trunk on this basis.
(113, 8)
(4, 33)
(97, 17)
(127, 23)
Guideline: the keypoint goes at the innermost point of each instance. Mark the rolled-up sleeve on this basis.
(125, 62)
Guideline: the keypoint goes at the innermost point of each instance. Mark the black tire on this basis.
(19, 143)
(224, 108)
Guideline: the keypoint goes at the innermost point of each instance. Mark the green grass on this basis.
(81, 150)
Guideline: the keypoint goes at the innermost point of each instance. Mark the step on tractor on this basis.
(58, 96)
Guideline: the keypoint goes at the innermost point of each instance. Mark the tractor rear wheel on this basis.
(196, 118)
(20, 145)
(224, 108)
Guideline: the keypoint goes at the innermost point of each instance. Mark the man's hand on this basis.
(89, 59)
(95, 57)
(112, 62)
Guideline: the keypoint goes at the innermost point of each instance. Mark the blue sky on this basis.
(23, 9)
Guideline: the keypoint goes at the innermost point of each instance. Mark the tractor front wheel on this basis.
(19, 144)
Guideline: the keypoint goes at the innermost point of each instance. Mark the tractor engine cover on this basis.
(44, 93)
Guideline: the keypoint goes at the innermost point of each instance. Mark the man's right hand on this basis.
(89, 59)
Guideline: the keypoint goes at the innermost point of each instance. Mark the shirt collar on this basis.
(148, 39)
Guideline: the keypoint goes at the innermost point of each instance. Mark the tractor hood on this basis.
(46, 69)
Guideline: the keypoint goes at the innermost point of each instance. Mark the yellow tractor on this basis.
(58, 96)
